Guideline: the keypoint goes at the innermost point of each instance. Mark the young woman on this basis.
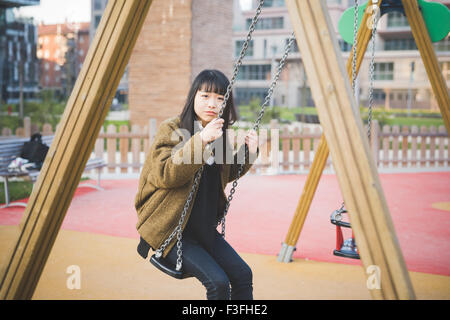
(182, 145)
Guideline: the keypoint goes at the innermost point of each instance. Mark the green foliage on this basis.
(17, 190)
(48, 110)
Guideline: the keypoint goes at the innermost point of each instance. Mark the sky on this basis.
(58, 11)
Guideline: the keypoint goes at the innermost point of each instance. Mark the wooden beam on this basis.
(321, 156)
(349, 148)
(74, 140)
(423, 41)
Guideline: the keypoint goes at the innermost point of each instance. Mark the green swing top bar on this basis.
(436, 16)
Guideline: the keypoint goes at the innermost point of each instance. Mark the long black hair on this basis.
(209, 81)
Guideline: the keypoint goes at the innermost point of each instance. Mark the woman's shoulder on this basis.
(167, 127)
(172, 122)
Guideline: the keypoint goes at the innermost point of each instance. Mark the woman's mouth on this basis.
(210, 113)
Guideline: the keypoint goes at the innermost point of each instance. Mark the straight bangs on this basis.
(212, 83)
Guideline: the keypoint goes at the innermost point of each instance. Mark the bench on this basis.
(10, 149)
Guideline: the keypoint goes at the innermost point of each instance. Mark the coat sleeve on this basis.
(239, 159)
(174, 158)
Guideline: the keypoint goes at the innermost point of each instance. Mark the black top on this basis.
(201, 225)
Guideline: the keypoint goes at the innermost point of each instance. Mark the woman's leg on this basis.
(235, 267)
(198, 262)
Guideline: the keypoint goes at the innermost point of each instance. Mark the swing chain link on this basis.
(241, 57)
(256, 125)
(355, 45)
(372, 69)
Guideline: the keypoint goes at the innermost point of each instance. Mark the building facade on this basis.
(62, 49)
(97, 9)
(19, 67)
(394, 79)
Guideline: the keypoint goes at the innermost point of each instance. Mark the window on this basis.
(97, 21)
(254, 72)
(384, 71)
(345, 47)
(238, 48)
(379, 94)
(244, 95)
(267, 23)
(443, 45)
(273, 3)
(445, 68)
(396, 19)
(400, 44)
(98, 5)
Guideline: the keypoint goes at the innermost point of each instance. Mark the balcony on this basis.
(18, 3)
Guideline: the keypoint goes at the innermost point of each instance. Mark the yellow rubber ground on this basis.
(110, 268)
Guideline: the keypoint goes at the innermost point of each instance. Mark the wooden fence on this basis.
(392, 147)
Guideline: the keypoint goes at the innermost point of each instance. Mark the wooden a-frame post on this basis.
(74, 140)
(343, 130)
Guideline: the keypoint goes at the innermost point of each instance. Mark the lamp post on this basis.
(411, 79)
(272, 69)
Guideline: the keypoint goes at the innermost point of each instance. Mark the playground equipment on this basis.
(368, 205)
(90, 100)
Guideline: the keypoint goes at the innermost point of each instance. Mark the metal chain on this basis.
(371, 70)
(257, 123)
(354, 57)
(178, 230)
(241, 57)
(355, 45)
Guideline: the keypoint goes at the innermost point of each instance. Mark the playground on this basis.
(99, 235)
(355, 234)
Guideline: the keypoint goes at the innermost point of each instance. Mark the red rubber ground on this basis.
(263, 207)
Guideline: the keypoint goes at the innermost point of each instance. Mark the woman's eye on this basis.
(220, 98)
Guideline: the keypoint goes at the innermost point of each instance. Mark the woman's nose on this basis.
(212, 103)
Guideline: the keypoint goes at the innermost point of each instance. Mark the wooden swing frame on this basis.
(368, 211)
(89, 104)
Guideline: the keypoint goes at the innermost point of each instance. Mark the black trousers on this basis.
(223, 273)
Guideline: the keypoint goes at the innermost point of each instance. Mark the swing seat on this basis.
(168, 268)
(160, 263)
(347, 248)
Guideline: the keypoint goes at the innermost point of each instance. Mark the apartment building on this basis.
(62, 49)
(18, 63)
(97, 9)
(399, 71)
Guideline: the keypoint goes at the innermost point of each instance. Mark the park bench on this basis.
(10, 149)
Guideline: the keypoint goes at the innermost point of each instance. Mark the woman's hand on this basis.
(252, 141)
(212, 131)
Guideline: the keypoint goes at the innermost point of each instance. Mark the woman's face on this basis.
(207, 106)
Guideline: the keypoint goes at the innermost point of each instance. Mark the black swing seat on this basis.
(348, 250)
(160, 263)
(168, 268)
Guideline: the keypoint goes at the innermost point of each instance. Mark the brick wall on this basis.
(211, 36)
(179, 38)
(159, 67)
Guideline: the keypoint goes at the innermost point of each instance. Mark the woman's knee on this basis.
(218, 288)
(243, 275)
